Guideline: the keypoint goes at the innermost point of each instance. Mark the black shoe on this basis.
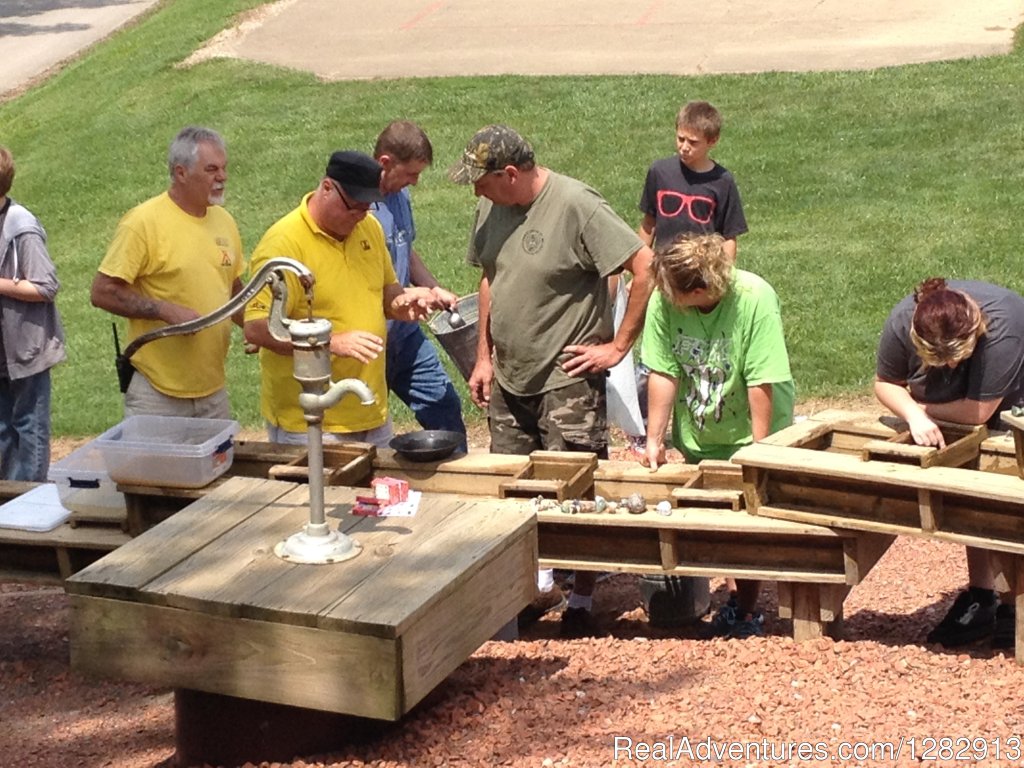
(972, 617)
(577, 623)
(1005, 633)
(722, 623)
(751, 625)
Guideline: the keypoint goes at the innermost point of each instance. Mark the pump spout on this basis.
(313, 403)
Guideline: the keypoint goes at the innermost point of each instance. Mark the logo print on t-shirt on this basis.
(699, 208)
(533, 241)
(225, 259)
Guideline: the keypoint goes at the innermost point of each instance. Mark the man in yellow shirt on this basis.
(356, 290)
(174, 258)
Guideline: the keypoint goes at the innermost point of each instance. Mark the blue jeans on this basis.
(415, 374)
(25, 427)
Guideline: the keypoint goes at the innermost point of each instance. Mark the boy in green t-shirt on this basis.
(719, 369)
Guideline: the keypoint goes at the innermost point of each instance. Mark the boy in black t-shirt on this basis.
(690, 192)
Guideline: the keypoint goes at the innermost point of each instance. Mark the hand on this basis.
(590, 358)
(361, 345)
(654, 455)
(414, 304)
(447, 298)
(480, 383)
(926, 432)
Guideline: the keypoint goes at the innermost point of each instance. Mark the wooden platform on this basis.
(200, 602)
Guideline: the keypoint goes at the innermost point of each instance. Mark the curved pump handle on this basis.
(272, 273)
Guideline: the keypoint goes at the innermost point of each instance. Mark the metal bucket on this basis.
(459, 343)
(674, 601)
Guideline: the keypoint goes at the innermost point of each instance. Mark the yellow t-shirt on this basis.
(170, 255)
(349, 292)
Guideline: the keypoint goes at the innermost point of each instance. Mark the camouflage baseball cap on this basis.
(490, 149)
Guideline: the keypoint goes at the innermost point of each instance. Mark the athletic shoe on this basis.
(971, 617)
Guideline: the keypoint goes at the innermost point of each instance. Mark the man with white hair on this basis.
(174, 258)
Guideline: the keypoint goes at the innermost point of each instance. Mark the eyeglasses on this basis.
(362, 207)
(701, 209)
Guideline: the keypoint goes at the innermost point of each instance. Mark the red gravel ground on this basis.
(542, 701)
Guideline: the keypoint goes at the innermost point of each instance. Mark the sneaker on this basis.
(751, 625)
(577, 623)
(971, 617)
(544, 602)
(1004, 635)
(722, 623)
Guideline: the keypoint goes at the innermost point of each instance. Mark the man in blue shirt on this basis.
(414, 371)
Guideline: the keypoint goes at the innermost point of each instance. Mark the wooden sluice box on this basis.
(794, 476)
(201, 602)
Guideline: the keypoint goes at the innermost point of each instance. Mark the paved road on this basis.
(37, 35)
(406, 38)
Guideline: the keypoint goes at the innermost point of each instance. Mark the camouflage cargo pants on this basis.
(572, 418)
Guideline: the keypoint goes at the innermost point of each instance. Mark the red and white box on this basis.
(389, 490)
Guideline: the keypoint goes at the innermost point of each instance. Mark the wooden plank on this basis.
(863, 552)
(804, 434)
(83, 537)
(712, 552)
(285, 664)
(342, 597)
(776, 555)
(755, 487)
(720, 475)
(896, 506)
(668, 545)
(441, 638)
(883, 474)
(225, 573)
(784, 590)
(137, 562)
(807, 624)
(387, 461)
(528, 488)
(689, 519)
(823, 517)
(701, 497)
(436, 562)
(931, 509)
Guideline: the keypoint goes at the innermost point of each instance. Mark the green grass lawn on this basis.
(856, 185)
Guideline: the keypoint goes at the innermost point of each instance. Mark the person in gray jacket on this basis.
(31, 336)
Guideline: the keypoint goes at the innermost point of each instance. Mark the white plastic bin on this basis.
(171, 451)
(84, 485)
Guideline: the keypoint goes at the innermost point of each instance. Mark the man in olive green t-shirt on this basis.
(546, 245)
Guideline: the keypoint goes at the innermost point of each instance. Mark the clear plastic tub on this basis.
(84, 485)
(169, 451)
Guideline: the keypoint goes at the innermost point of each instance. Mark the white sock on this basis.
(545, 579)
(581, 601)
